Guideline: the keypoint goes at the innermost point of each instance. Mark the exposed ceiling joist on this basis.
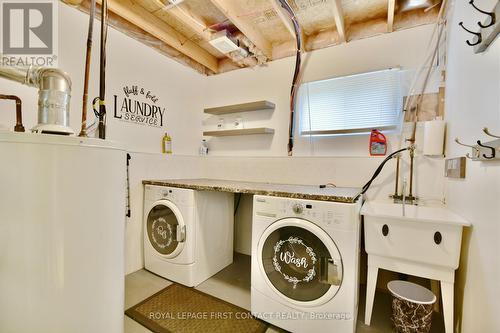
(184, 30)
(338, 14)
(230, 10)
(139, 16)
(391, 7)
(284, 17)
(186, 17)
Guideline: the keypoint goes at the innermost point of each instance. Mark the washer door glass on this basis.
(298, 263)
(164, 229)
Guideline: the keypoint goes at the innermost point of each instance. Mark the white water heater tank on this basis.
(62, 221)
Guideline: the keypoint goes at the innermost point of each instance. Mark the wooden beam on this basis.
(338, 14)
(391, 7)
(280, 11)
(231, 11)
(140, 17)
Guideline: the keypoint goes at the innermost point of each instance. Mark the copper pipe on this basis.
(412, 155)
(397, 176)
(83, 131)
(19, 117)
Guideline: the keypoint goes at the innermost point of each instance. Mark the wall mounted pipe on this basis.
(19, 117)
(83, 130)
(101, 113)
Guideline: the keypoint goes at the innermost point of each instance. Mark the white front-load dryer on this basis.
(188, 234)
(305, 264)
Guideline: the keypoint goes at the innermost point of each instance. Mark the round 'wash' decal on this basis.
(291, 258)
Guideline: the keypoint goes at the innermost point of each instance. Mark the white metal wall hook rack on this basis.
(490, 27)
(484, 151)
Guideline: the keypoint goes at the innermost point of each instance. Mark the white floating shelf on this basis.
(244, 107)
(242, 131)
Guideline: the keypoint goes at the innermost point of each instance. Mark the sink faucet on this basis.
(404, 197)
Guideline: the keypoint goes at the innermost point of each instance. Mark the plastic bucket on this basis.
(411, 307)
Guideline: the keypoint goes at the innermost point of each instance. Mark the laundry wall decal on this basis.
(139, 106)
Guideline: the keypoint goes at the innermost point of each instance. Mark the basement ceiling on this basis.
(182, 29)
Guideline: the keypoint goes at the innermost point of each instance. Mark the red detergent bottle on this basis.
(378, 143)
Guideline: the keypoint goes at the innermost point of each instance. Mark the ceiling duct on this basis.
(224, 42)
(407, 5)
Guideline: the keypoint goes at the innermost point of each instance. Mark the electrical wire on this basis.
(415, 98)
(296, 73)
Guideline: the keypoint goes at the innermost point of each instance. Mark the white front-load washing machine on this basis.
(305, 264)
(188, 234)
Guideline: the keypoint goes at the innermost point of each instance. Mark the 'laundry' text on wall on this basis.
(138, 105)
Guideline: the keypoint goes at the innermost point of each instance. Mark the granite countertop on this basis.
(309, 192)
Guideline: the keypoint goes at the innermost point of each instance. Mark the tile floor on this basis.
(233, 285)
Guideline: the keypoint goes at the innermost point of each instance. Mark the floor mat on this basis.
(179, 309)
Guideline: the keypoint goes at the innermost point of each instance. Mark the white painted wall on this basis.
(349, 163)
(473, 102)
(405, 49)
(185, 93)
(128, 62)
(473, 90)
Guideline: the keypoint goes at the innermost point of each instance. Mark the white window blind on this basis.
(351, 104)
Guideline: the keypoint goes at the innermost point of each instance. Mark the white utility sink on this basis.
(436, 214)
(431, 235)
(417, 240)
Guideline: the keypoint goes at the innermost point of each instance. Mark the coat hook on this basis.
(487, 131)
(491, 15)
(477, 34)
(493, 150)
(476, 150)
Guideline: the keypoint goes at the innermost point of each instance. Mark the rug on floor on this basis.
(179, 309)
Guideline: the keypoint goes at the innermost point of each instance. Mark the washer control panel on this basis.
(298, 208)
(326, 214)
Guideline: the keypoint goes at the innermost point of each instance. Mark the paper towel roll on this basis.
(434, 137)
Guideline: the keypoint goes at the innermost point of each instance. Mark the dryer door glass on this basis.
(162, 228)
(299, 264)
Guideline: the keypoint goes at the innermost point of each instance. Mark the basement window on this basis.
(351, 104)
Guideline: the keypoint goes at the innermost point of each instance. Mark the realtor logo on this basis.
(28, 28)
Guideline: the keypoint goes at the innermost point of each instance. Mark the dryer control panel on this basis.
(326, 214)
(179, 196)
